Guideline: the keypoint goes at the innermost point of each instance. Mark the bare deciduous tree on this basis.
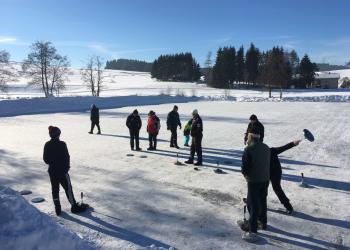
(92, 75)
(7, 72)
(46, 67)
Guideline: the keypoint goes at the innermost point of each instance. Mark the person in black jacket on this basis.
(276, 173)
(95, 119)
(172, 122)
(57, 157)
(134, 124)
(197, 136)
(258, 125)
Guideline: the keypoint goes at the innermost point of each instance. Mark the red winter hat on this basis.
(54, 132)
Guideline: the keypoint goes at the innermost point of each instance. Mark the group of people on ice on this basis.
(193, 127)
(260, 163)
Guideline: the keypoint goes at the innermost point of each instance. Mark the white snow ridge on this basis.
(23, 226)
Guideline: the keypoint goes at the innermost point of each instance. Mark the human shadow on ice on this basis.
(26, 171)
(303, 163)
(332, 222)
(114, 231)
(227, 163)
(317, 182)
(128, 137)
(302, 241)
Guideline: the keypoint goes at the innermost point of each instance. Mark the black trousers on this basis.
(93, 123)
(257, 205)
(173, 138)
(64, 180)
(152, 140)
(134, 136)
(196, 147)
(276, 185)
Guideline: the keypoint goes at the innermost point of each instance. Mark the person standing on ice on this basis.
(254, 122)
(256, 170)
(134, 124)
(153, 126)
(172, 122)
(95, 119)
(57, 157)
(197, 136)
(276, 173)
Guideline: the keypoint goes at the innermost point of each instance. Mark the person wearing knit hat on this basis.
(254, 122)
(173, 121)
(153, 126)
(54, 132)
(197, 136)
(134, 124)
(57, 157)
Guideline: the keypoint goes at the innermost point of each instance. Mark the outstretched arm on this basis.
(280, 150)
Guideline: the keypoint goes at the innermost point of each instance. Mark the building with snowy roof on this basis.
(326, 80)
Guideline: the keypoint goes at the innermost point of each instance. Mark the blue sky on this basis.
(144, 29)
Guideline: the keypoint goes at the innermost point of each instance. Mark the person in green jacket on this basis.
(256, 170)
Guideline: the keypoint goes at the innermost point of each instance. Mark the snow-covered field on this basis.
(151, 203)
(126, 83)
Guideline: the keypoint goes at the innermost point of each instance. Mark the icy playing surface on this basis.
(151, 202)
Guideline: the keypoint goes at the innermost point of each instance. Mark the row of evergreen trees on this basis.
(272, 68)
(128, 64)
(177, 67)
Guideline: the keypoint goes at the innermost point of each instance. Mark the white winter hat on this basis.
(195, 112)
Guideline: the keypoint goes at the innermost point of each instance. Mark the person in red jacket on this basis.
(153, 126)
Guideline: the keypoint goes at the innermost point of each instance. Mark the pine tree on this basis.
(307, 72)
(208, 68)
(240, 65)
(252, 63)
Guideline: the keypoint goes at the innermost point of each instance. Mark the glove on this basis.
(168, 128)
(180, 127)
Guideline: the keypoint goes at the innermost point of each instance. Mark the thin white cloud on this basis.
(139, 50)
(7, 40)
(277, 37)
(98, 47)
(291, 45)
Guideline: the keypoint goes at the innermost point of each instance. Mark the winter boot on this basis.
(189, 161)
(99, 132)
(138, 149)
(198, 163)
(76, 208)
(289, 208)
(250, 237)
(90, 132)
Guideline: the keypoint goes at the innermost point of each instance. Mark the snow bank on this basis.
(80, 103)
(326, 98)
(22, 226)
